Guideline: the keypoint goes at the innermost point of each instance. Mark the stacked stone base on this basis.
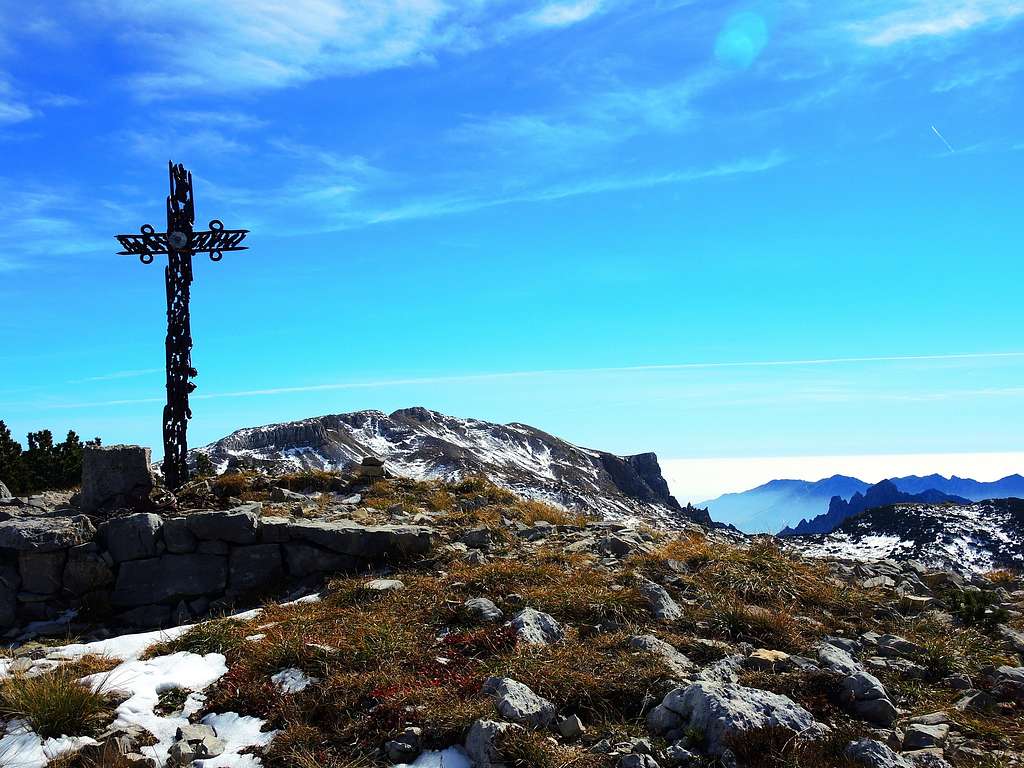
(145, 570)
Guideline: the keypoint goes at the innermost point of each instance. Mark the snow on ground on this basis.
(453, 757)
(21, 747)
(292, 680)
(144, 681)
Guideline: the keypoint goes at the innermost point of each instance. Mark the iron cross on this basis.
(179, 242)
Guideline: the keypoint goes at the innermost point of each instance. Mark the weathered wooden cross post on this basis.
(179, 242)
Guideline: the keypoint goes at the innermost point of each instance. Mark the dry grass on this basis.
(55, 703)
(1003, 577)
(527, 749)
(777, 747)
(312, 480)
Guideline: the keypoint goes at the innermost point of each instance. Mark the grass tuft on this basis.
(55, 703)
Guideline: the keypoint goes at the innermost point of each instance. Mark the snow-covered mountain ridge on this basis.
(974, 537)
(424, 444)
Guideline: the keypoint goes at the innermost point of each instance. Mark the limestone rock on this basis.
(483, 609)
(720, 709)
(384, 585)
(675, 660)
(115, 477)
(922, 736)
(874, 754)
(481, 742)
(538, 628)
(86, 570)
(571, 727)
(237, 526)
(131, 537)
(518, 703)
(45, 534)
(254, 567)
(178, 539)
(41, 572)
(370, 542)
(306, 560)
(169, 577)
(659, 602)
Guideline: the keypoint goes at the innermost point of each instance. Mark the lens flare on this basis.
(742, 39)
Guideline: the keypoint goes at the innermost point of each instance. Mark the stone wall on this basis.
(146, 570)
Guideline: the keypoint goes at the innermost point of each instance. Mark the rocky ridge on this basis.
(422, 444)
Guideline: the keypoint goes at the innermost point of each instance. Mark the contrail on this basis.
(948, 145)
(504, 375)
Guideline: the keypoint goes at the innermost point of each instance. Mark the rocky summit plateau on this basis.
(428, 445)
(418, 590)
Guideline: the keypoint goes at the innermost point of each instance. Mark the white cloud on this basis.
(935, 18)
(564, 14)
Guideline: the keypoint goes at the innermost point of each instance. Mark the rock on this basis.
(767, 660)
(169, 577)
(86, 570)
(874, 754)
(720, 709)
(238, 526)
(537, 628)
(406, 747)
(45, 534)
(370, 542)
(677, 756)
(930, 757)
(659, 602)
(483, 609)
(975, 701)
(675, 660)
(867, 697)
(637, 761)
(283, 494)
(131, 537)
(10, 581)
(384, 585)
(1013, 637)
(725, 670)
(4, 493)
(41, 572)
(481, 747)
(115, 477)
(306, 560)
(178, 539)
(516, 702)
(253, 567)
(194, 742)
(915, 604)
(571, 727)
(894, 645)
(146, 616)
(922, 736)
(837, 660)
(477, 538)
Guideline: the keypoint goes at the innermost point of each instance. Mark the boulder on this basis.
(86, 570)
(481, 742)
(305, 560)
(923, 736)
(45, 534)
(518, 703)
(720, 709)
(864, 694)
(483, 609)
(873, 754)
(676, 661)
(256, 566)
(237, 526)
(659, 602)
(178, 539)
(169, 578)
(370, 542)
(537, 628)
(10, 581)
(41, 572)
(131, 537)
(4, 493)
(115, 477)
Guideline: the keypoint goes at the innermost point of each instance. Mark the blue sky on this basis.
(562, 213)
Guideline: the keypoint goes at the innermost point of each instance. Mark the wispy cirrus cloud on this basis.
(935, 18)
(564, 14)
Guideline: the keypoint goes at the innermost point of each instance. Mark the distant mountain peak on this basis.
(422, 443)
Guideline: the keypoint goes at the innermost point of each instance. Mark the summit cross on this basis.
(179, 242)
